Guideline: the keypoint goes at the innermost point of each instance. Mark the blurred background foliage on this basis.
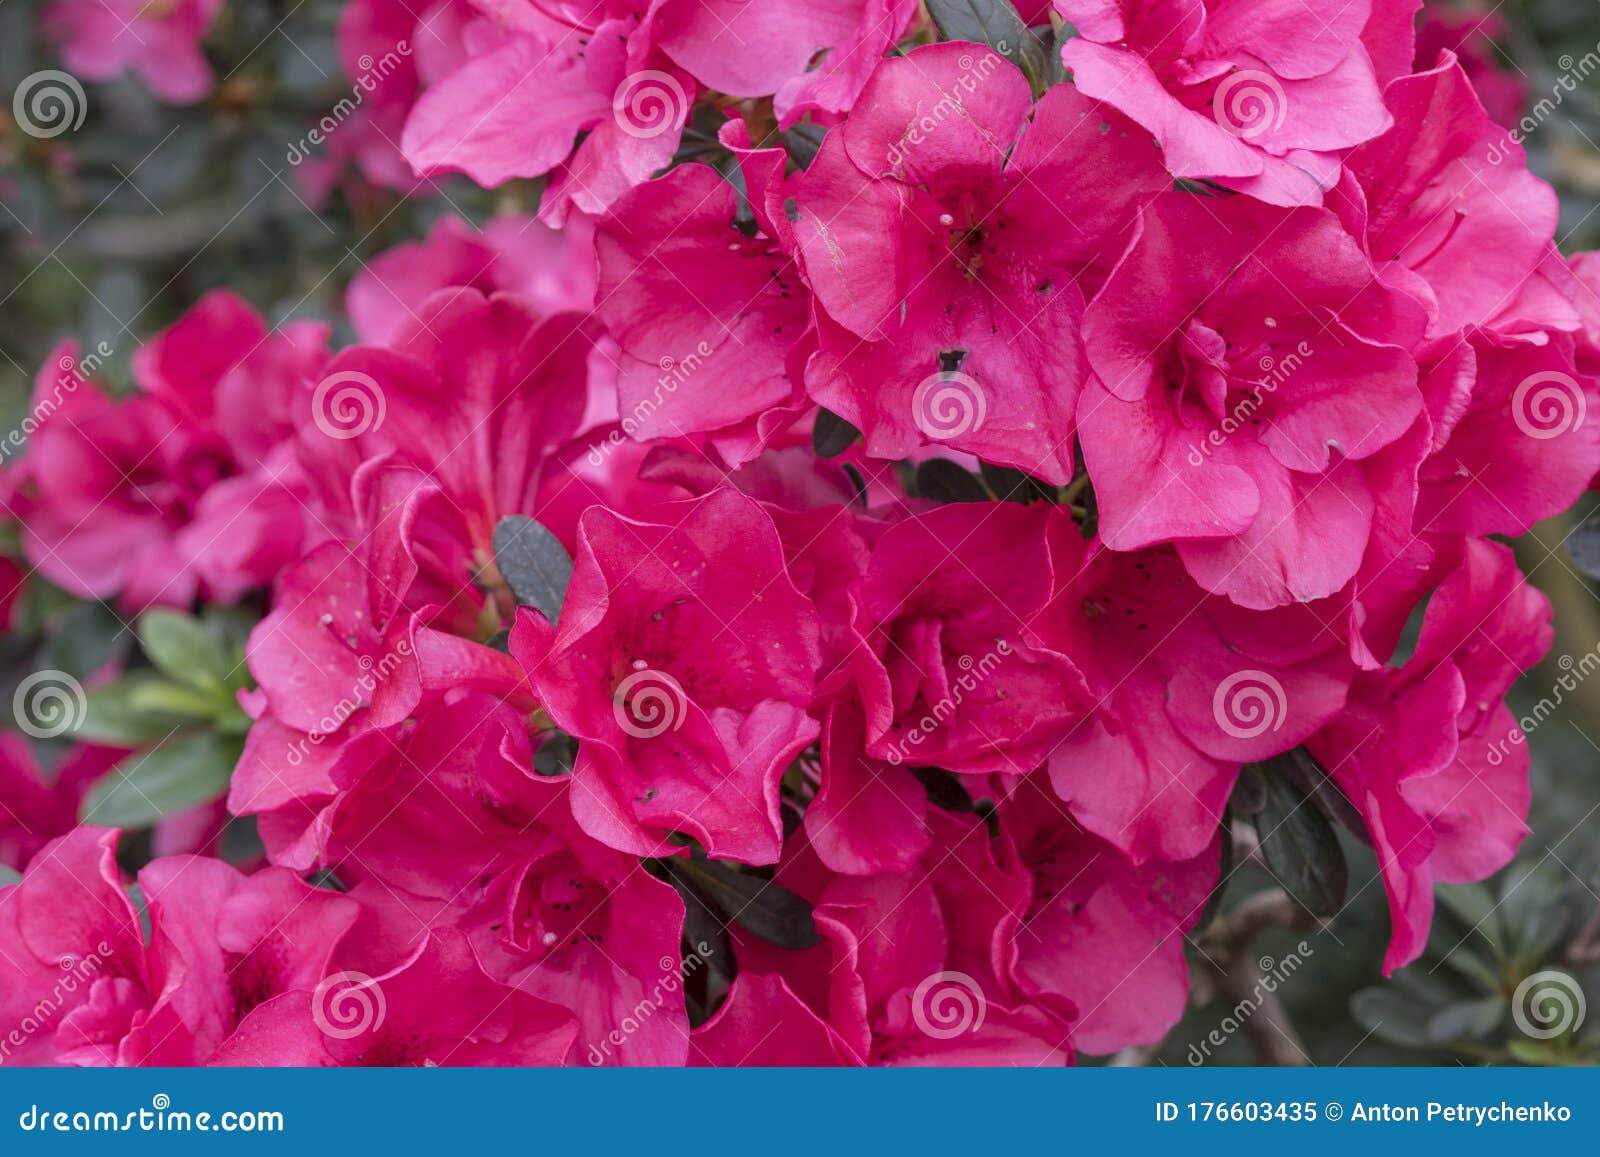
(109, 231)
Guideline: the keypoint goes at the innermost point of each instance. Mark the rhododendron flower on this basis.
(1429, 753)
(87, 989)
(913, 968)
(686, 690)
(1186, 687)
(1247, 367)
(945, 235)
(717, 360)
(1471, 31)
(846, 581)
(964, 677)
(100, 39)
(547, 908)
(39, 804)
(1263, 96)
(188, 486)
(1104, 934)
(1449, 213)
(105, 487)
(549, 269)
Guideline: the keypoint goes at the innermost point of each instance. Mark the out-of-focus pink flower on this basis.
(101, 39)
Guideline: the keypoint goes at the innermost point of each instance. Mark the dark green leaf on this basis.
(1467, 1019)
(759, 906)
(945, 789)
(1301, 849)
(1474, 906)
(991, 22)
(1392, 1016)
(1249, 792)
(803, 141)
(831, 435)
(941, 480)
(180, 774)
(1009, 485)
(1301, 768)
(1055, 70)
(534, 564)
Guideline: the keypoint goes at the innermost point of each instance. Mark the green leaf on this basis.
(8, 875)
(1467, 1019)
(1301, 849)
(120, 713)
(759, 906)
(184, 649)
(180, 774)
(991, 22)
(945, 790)
(1534, 912)
(1474, 906)
(534, 564)
(1461, 959)
(1392, 1016)
(1301, 768)
(1011, 485)
(831, 435)
(1249, 792)
(941, 480)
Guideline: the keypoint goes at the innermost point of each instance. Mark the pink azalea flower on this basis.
(1470, 31)
(683, 664)
(186, 487)
(86, 989)
(1515, 440)
(967, 675)
(1188, 687)
(39, 805)
(1247, 369)
(1448, 211)
(551, 269)
(101, 39)
(914, 968)
(1427, 751)
(1263, 96)
(532, 82)
(397, 1019)
(105, 487)
(708, 319)
(947, 251)
(1099, 931)
(451, 820)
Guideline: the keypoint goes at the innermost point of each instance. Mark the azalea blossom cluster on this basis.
(808, 596)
